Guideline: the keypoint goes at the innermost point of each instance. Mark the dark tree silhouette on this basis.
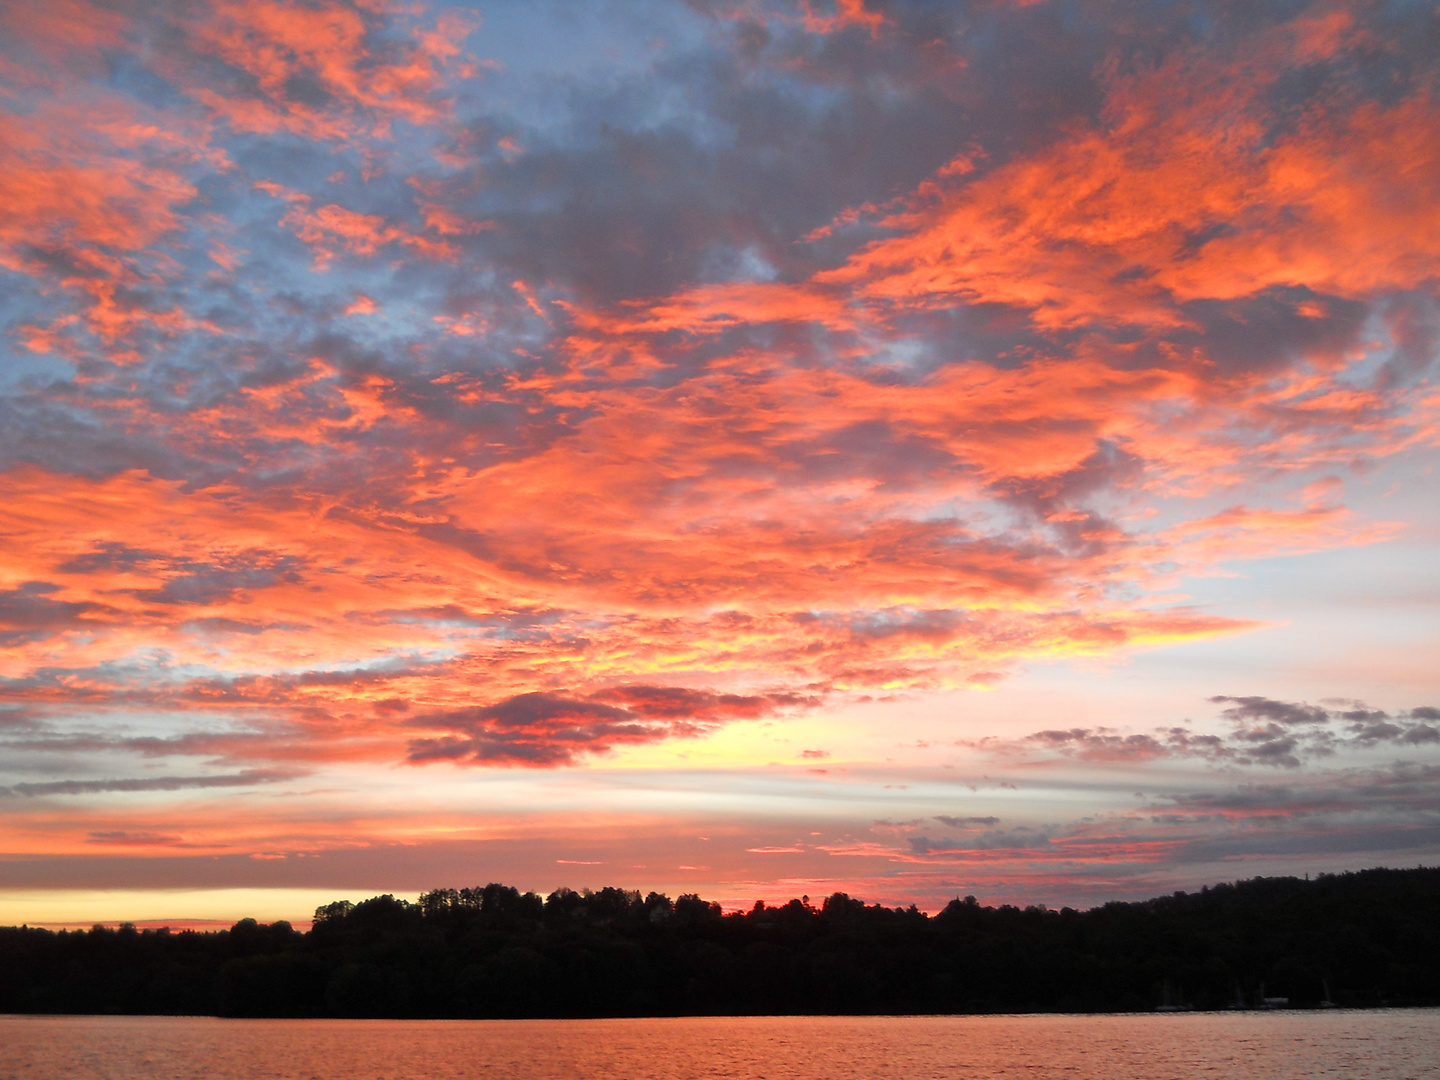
(1361, 939)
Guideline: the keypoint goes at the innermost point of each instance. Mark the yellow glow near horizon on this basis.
(212, 908)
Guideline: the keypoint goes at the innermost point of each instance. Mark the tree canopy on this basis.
(1359, 939)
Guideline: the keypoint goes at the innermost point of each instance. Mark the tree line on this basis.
(1370, 938)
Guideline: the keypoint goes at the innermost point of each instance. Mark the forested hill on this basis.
(1371, 938)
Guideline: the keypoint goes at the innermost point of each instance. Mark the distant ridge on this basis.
(1363, 939)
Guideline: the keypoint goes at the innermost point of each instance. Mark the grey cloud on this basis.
(1414, 323)
(235, 746)
(783, 130)
(1017, 839)
(671, 702)
(531, 710)
(547, 729)
(218, 626)
(247, 778)
(28, 613)
(1377, 731)
(1100, 744)
(1290, 730)
(1262, 708)
(519, 623)
(190, 581)
(1399, 790)
(967, 822)
(1267, 732)
(1268, 331)
(1275, 751)
(121, 837)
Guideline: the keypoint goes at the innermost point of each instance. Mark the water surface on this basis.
(1376, 1045)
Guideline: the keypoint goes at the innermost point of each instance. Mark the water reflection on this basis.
(1373, 1044)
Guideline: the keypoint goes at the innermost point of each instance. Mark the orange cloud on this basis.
(272, 47)
(330, 229)
(80, 199)
(847, 13)
(504, 537)
(94, 211)
(60, 29)
(1183, 193)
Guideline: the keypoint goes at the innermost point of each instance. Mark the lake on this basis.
(1244, 1046)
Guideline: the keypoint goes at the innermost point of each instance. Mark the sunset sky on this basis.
(741, 447)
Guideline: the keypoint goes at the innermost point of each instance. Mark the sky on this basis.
(739, 447)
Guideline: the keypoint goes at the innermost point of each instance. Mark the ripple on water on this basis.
(1376, 1045)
